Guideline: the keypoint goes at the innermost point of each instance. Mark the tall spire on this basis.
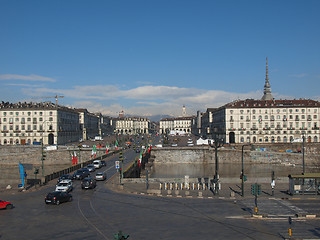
(267, 87)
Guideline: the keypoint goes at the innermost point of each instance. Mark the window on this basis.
(17, 113)
(17, 127)
(314, 116)
(34, 127)
(17, 119)
(29, 113)
(50, 113)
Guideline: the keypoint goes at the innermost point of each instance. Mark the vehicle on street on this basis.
(5, 204)
(81, 174)
(97, 164)
(174, 145)
(64, 186)
(103, 163)
(101, 176)
(91, 168)
(58, 197)
(64, 177)
(88, 182)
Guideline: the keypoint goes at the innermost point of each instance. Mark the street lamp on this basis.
(303, 140)
(218, 142)
(242, 170)
(43, 154)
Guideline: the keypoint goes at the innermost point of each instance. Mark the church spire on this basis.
(267, 87)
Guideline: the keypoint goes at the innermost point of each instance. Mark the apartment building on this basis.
(33, 123)
(132, 125)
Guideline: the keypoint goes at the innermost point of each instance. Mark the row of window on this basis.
(272, 139)
(22, 113)
(278, 111)
(284, 118)
(23, 120)
(23, 127)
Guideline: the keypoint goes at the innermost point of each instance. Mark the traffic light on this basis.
(258, 189)
(253, 189)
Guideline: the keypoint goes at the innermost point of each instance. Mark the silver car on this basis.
(101, 176)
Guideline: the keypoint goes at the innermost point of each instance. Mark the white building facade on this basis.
(268, 121)
(33, 123)
(132, 125)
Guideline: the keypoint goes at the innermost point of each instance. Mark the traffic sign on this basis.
(117, 164)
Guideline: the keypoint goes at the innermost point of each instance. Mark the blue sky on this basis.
(151, 57)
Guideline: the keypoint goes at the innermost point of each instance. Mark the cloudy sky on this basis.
(153, 57)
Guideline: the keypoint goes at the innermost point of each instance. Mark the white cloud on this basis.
(142, 101)
(31, 77)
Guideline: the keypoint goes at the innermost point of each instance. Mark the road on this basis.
(99, 213)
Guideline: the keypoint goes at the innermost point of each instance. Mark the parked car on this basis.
(81, 174)
(103, 163)
(97, 164)
(64, 185)
(101, 176)
(91, 168)
(64, 177)
(58, 197)
(5, 204)
(88, 182)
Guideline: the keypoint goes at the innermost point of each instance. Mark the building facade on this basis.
(180, 124)
(33, 123)
(269, 121)
(132, 125)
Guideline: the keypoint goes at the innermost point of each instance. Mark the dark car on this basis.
(58, 197)
(81, 174)
(103, 163)
(5, 204)
(88, 182)
(65, 177)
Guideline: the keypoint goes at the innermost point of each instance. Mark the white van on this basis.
(97, 164)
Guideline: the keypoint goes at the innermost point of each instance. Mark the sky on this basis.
(151, 57)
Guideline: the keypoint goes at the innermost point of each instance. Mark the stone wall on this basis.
(13, 155)
(227, 155)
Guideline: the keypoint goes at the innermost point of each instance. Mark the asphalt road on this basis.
(100, 213)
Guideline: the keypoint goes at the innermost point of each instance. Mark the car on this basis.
(101, 176)
(97, 164)
(58, 197)
(103, 163)
(174, 145)
(91, 168)
(5, 205)
(65, 176)
(88, 182)
(64, 186)
(81, 174)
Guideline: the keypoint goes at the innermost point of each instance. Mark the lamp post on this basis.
(303, 139)
(43, 155)
(242, 170)
(217, 143)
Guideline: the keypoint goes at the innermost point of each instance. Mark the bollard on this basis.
(165, 186)
(160, 186)
(181, 186)
(177, 186)
(188, 186)
(171, 187)
(198, 186)
(193, 186)
(204, 186)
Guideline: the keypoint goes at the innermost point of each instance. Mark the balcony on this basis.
(278, 128)
(315, 128)
(266, 128)
(303, 128)
(231, 129)
(241, 129)
(254, 128)
(290, 128)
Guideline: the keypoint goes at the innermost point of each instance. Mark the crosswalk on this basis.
(277, 213)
